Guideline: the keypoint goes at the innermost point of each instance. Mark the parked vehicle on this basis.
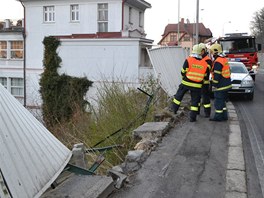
(242, 82)
(240, 47)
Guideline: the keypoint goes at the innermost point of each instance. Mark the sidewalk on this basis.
(194, 160)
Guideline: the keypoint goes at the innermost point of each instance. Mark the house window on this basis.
(3, 81)
(14, 85)
(102, 17)
(140, 19)
(173, 37)
(49, 14)
(11, 50)
(186, 38)
(16, 50)
(3, 49)
(130, 16)
(74, 12)
(17, 86)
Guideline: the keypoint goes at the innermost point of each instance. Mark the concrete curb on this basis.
(235, 172)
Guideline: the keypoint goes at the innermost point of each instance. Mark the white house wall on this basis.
(134, 18)
(101, 58)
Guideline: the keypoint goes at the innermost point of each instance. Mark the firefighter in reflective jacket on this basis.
(205, 92)
(221, 82)
(194, 71)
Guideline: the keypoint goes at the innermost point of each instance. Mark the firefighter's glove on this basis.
(213, 88)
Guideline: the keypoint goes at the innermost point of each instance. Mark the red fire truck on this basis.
(241, 47)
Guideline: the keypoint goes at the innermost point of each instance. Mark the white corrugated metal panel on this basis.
(31, 158)
(167, 62)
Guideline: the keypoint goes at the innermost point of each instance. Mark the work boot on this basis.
(207, 112)
(218, 117)
(193, 115)
(225, 115)
(215, 119)
(174, 108)
(192, 119)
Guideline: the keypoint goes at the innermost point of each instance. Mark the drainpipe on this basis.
(178, 36)
(197, 23)
(24, 55)
(123, 7)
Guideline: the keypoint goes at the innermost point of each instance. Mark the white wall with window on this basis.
(87, 56)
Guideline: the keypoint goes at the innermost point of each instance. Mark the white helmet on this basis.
(196, 49)
(216, 49)
(202, 46)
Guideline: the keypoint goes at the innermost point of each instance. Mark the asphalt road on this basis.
(189, 163)
(251, 116)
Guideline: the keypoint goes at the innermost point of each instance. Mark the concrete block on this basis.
(235, 139)
(151, 130)
(234, 122)
(231, 110)
(136, 156)
(234, 127)
(235, 195)
(236, 181)
(78, 156)
(235, 159)
(118, 177)
(233, 116)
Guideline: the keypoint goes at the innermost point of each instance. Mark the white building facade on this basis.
(102, 40)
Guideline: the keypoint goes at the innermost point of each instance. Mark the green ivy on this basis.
(62, 95)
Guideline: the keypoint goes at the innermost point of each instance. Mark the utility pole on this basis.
(178, 35)
(197, 23)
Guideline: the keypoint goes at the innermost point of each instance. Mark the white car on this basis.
(242, 82)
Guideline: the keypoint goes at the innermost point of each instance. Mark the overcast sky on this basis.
(215, 15)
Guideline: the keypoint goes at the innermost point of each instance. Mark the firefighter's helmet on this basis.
(196, 49)
(216, 49)
(202, 46)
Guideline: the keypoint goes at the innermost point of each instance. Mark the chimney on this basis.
(182, 20)
(7, 23)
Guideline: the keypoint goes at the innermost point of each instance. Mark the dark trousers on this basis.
(195, 99)
(205, 100)
(220, 105)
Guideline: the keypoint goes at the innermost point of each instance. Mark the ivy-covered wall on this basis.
(62, 95)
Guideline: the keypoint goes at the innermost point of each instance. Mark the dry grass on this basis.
(119, 111)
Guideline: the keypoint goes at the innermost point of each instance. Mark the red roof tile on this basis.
(87, 36)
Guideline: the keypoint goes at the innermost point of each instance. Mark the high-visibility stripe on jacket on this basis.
(197, 69)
